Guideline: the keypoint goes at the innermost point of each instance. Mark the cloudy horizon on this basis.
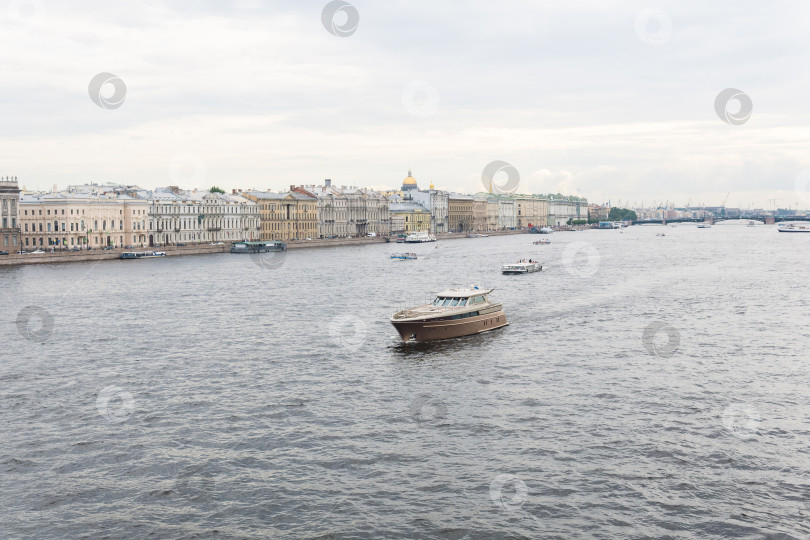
(607, 102)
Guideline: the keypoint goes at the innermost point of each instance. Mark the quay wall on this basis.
(174, 251)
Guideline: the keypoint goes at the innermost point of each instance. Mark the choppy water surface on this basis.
(646, 386)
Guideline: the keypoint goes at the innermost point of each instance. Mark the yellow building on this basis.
(411, 217)
(286, 216)
(461, 212)
(530, 211)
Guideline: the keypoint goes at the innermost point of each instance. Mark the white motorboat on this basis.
(522, 267)
(419, 236)
(793, 227)
(142, 254)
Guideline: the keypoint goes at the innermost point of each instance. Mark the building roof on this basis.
(406, 207)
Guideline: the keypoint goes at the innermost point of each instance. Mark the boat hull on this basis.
(432, 330)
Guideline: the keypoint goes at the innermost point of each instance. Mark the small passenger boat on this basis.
(793, 227)
(403, 256)
(541, 242)
(521, 267)
(142, 254)
(453, 313)
(258, 247)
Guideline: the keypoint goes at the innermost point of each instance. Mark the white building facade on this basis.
(180, 216)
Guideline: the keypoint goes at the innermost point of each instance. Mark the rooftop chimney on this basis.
(327, 182)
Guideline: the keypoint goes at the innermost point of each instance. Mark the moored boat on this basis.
(142, 254)
(522, 267)
(419, 237)
(453, 313)
(258, 247)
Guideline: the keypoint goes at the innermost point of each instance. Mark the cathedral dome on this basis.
(409, 182)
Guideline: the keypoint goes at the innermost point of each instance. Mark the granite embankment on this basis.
(202, 249)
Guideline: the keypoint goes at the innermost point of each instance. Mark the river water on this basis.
(647, 386)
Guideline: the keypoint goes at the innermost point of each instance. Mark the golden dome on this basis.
(410, 182)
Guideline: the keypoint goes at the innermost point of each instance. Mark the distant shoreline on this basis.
(60, 257)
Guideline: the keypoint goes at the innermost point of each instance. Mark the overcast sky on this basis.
(608, 100)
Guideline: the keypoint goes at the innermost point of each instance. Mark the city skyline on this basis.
(603, 102)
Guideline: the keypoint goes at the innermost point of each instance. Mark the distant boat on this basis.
(752, 223)
(541, 242)
(142, 254)
(704, 226)
(419, 237)
(793, 227)
(403, 256)
(660, 234)
(258, 247)
(521, 267)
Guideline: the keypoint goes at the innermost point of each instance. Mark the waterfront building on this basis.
(437, 203)
(90, 217)
(492, 214)
(479, 214)
(563, 209)
(349, 211)
(507, 216)
(530, 211)
(597, 212)
(9, 214)
(192, 216)
(292, 215)
(460, 210)
(408, 217)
